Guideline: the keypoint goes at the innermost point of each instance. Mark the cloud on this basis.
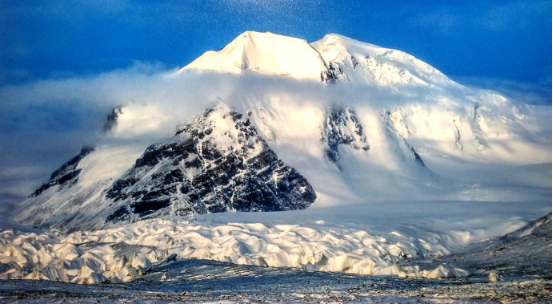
(534, 93)
(442, 21)
(7, 207)
(494, 15)
(44, 123)
(16, 181)
(515, 14)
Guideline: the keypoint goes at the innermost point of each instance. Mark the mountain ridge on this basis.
(252, 51)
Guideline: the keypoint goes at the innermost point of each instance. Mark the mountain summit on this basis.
(334, 56)
(264, 53)
(273, 123)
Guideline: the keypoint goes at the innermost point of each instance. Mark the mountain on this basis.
(216, 163)
(265, 53)
(507, 255)
(273, 123)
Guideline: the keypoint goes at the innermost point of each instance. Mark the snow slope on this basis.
(360, 62)
(264, 53)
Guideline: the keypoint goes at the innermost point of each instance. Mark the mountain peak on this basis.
(264, 53)
(379, 66)
(333, 58)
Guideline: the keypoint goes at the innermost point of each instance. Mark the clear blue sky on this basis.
(506, 40)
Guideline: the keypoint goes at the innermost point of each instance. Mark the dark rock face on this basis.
(354, 62)
(333, 73)
(342, 127)
(66, 175)
(415, 154)
(216, 163)
(111, 120)
(392, 127)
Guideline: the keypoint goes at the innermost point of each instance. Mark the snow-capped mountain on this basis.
(264, 53)
(272, 123)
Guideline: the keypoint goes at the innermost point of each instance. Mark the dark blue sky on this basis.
(466, 40)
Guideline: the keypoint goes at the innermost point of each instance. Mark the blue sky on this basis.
(507, 40)
(63, 63)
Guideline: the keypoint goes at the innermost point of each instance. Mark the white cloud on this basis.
(535, 93)
(495, 16)
(44, 123)
(514, 14)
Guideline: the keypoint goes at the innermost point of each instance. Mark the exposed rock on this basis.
(66, 175)
(540, 227)
(111, 121)
(342, 127)
(333, 73)
(415, 154)
(394, 122)
(215, 163)
(354, 62)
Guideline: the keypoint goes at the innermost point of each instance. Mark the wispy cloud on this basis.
(514, 14)
(494, 15)
(44, 123)
(534, 93)
(442, 21)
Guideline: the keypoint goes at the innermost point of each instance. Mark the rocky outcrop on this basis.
(395, 124)
(111, 120)
(342, 127)
(333, 73)
(66, 175)
(215, 163)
